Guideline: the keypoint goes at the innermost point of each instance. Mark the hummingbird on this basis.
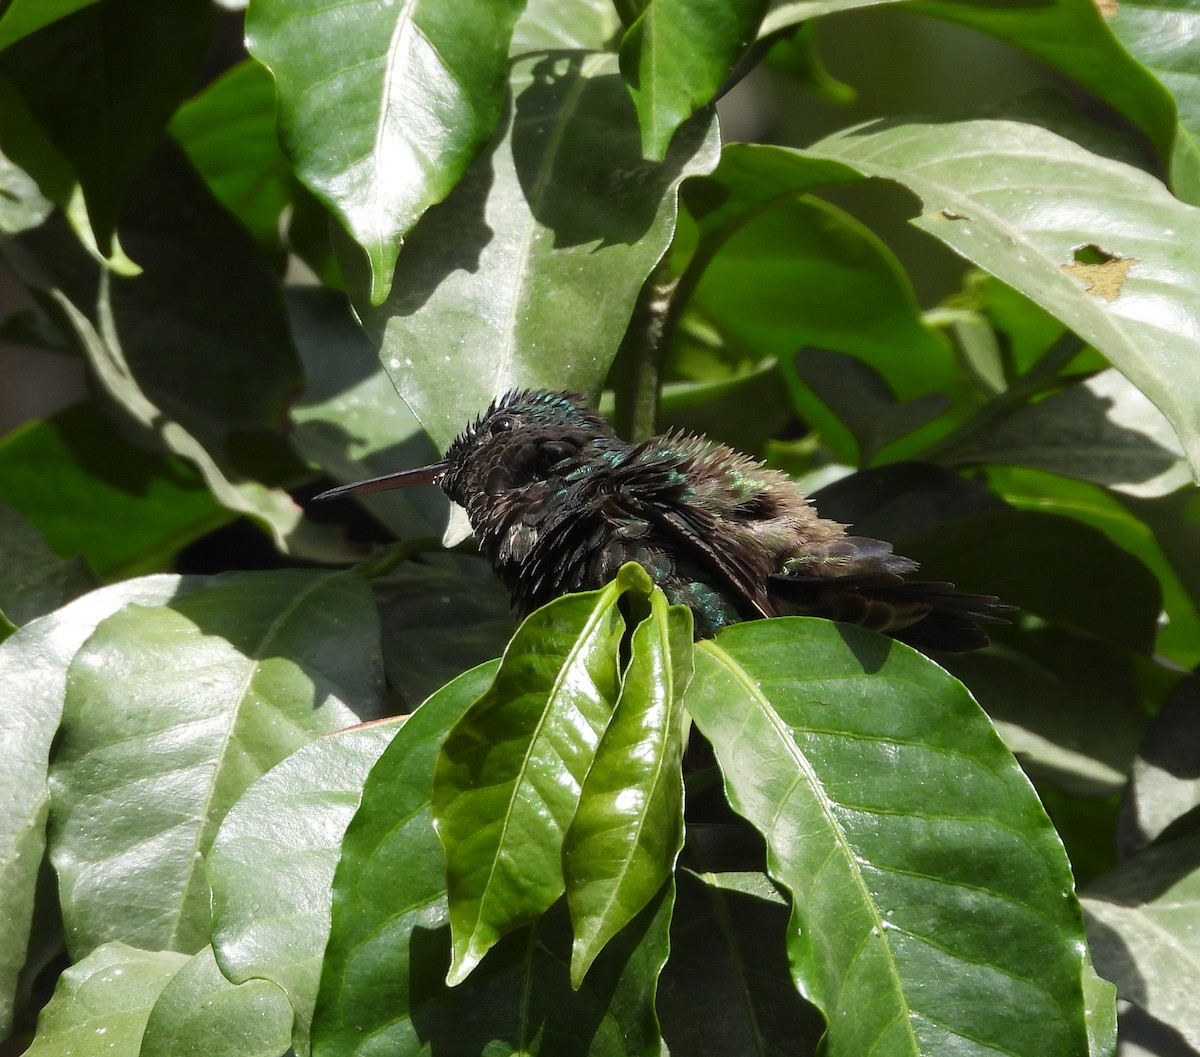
(559, 502)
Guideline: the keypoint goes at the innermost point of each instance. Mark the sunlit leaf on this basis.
(171, 712)
(271, 924)
(915, 850)
(382, 119)
(508, 780)
(627, 831)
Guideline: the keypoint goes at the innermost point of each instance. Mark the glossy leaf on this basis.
(1142, 927)
(914, 848)
(382, 120)
(171, 712)
(1021, 218)
(228, 134)
(550, 25)
(382, 989)
(122, 67)
(272, 924)
(622, 843)
(33, 671)
(123, 509)
(536, 233)
(200, 1012)
(102, 1003)
(508, 780)
(33, 579)
(676, 56)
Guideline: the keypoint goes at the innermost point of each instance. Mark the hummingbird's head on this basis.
(523, 438)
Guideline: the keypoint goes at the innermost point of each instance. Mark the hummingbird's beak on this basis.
(402, 479)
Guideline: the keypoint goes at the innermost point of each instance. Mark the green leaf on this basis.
(621, 846)
(1101, 999)
(171, 712)
(1101, 430)
(550, 25)
(102, 1003)
(272, 924)
(726, 988)
(1142, 927)
(33, 671)
(228, 134)
(23, 17)
(1021, 218)
(382, 120)
(1164, 788)
(677, 55)
(537, 233)
(914, 848)
(125, 510)
(382, 988)
(200, 1012)
(1165, 38)
(350, 422)
(33, 579)
(121, 69)
(508, 780)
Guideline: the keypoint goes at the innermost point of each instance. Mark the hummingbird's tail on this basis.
(862, 582)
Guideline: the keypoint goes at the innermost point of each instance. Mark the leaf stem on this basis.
(637, 369)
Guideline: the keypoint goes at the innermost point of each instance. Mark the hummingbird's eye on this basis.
(502, 424)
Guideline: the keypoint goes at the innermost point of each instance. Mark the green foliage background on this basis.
(973, 332)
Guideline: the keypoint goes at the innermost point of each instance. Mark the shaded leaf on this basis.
(1101, 430)
(536, 233)
(201, 1012)
(382, 120)
(273, 924)
(1164, 788)
(23, 17)
(913, 846)
(103, 1002)
(622, 843)
(33, 579)
(1021, 218)
(677, 55)
(1142, 931)
(382, 988)
(228, 134)
(170, 714)
(33, 671)
(121, 69)
(125, 510)
(509, 777)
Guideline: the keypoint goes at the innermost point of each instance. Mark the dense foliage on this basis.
(594, 836)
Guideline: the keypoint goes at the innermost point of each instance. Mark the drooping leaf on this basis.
(622, 843)
(121, 69)
(200, 1012)
(102, 1003)
(33, 671)
(915, 850)
(272, 924)
(382, 120)
(537, 233)
(509, 776)
(1021, 218)
(171, 712)
(125, 510)
(677, 55)
(382, 988)
(1142, 927)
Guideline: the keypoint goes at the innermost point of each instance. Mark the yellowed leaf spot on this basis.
(1102, 273)
(1108, 8)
